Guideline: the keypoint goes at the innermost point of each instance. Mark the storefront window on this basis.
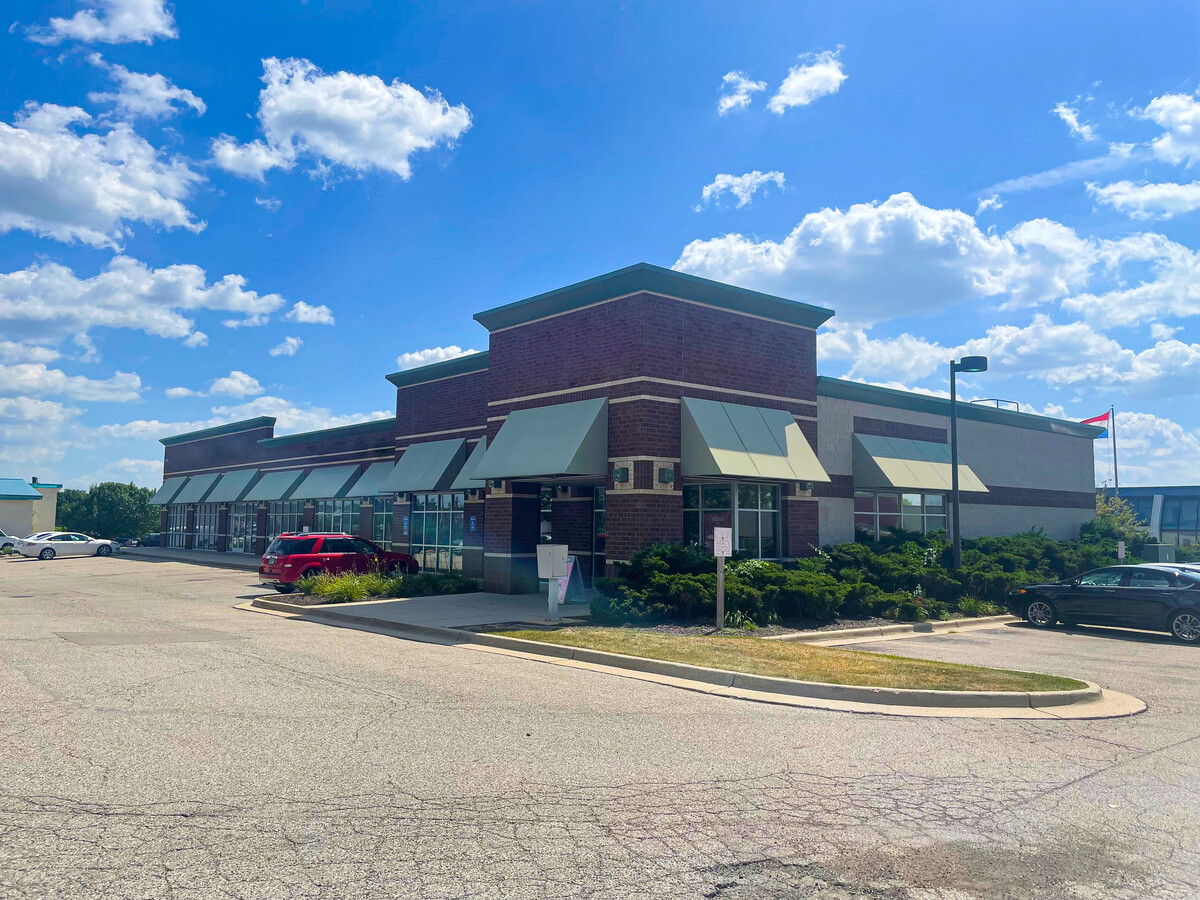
(756, 528)
(381, 522)
(338, 516)
(546, 520)
(176, 523)
(599, 521)
(877, 512)
(1180, 520)
(206, 527)
(284, 517)
(437, 531)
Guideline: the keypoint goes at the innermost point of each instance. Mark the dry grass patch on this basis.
(786, 659)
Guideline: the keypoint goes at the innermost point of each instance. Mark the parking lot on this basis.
(159, 742)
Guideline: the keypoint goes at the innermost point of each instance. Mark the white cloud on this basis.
(290, 418)
(1070, 115)
(1118, 156)
(990, 202)
(144, 472)
(310, 315)
(38, 380)
(741, 186)
(1161, 332)
(60, 184)
(1058, 354)
(1148, 201)
(357, 122)
(140, 94)
(49, 303)
(18, 352)
(287, 347)
(736, 90)
(818, 74)
(196, 339)
(1179, 116)
(1151, 450)
(111, 22)
(417, 358)
(235, 384)
(878, 261)
(270, 204)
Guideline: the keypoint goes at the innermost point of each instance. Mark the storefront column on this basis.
(189, 528)
(223, 528)
(571, 524)
(513, 512)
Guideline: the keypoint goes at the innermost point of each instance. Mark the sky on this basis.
(212, 211)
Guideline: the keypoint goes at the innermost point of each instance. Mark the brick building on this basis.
(643, 405)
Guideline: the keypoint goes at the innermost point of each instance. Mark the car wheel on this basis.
(104, 550)
(285, 588)
(1041, 613)
(6, 547)
(48, 553)
(1185, 626)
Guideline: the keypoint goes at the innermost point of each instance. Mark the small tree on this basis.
(74, 511)
(1116, 520)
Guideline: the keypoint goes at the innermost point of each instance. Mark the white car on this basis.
(48, 545)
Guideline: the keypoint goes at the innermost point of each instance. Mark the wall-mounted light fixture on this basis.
(666, 475)
(620, 474)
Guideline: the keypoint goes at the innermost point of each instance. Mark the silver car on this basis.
(63, 543)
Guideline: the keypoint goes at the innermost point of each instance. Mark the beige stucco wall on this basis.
(45, 511)
(16, 517)
(1000, 455)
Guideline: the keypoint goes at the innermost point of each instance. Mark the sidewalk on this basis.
(242, 561)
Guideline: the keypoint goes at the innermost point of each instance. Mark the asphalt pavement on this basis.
(156, 742)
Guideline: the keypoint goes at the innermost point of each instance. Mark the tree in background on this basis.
(1115, 519)
(108, 510)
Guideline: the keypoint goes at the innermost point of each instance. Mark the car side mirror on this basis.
(1075, 583)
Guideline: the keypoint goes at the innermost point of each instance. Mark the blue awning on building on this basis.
(564, 439)
(328, 483)
(197, 488)
(232, 486)
(466, 480)
(275, 485)
(371, 482)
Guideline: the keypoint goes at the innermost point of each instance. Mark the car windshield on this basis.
(291, 546)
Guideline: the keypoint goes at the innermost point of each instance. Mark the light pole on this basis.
(967, 364)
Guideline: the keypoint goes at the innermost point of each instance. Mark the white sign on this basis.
(722, 542)
(1120, 549)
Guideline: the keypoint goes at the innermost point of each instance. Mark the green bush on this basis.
(349, 587)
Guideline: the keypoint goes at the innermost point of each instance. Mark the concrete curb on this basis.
(886, 630)
(893, 697)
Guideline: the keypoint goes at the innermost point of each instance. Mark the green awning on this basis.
(370, 483)
(466, 480)
(728, 440)
(886, 462)
(328, 483)
(565, 439)
(232, 485)
(430, 466)
(275, 485)
(170, 487)
(197, 488)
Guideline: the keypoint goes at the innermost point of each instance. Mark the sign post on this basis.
(1121, 550)
(722, 549)
(553, 564)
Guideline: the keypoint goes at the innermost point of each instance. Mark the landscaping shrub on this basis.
(350, 587)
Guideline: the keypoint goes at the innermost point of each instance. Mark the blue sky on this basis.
(211, 211)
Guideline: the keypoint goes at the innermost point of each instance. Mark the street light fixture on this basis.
(966, 364)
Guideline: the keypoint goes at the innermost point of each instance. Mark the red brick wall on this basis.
(571, 523)
(635, 520)
(801, 526)
(450, 403)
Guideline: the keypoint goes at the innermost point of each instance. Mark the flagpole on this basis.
(1113, 428)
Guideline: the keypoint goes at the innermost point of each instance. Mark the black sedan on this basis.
(1150, 597)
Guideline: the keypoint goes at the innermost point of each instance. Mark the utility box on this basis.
(552, 561)
(1159, 553)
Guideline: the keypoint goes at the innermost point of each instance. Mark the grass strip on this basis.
(785, 659)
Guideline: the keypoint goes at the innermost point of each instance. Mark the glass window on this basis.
(546, 523)
(437, 530)
(338, 516)
(599, 520)
(755, 521)
(876, 512)
(176, 523)
(284, 517)
(381, 521)
(1170, 512)
(243, 522)
(1148, 578)
(1102, 577)
(291, 546)
(206, 527)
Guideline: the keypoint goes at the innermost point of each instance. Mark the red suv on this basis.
(293, 556)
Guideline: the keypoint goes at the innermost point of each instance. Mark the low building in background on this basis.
(641, 406)
(1171, 515)
(27, 506)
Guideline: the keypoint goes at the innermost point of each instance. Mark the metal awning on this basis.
(565, 439)
(197, 488)
(232, 485)
(887, 462)
(466, 480)
(275, 485)
(370, 483)
(328, 483)
(430, 466)
(170, 487)
(732, 441)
